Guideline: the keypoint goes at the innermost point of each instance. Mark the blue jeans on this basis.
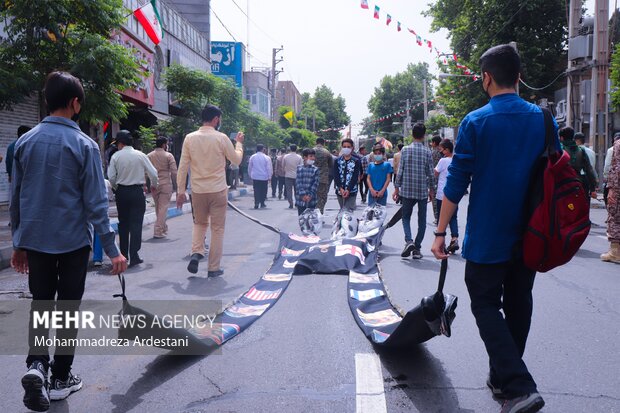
(408, 205)
(97, 249)
(454, 226)
(381, 201)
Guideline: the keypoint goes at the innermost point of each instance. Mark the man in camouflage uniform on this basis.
(324, 162)
(613, 207)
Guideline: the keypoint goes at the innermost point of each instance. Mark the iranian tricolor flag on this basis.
(364, 4)
(376, 12)
(398, 26)
(148, 16)
(389, 20)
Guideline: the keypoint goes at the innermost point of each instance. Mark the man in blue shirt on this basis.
(379, 176)
(496, 149)
(260, 170)
(58, 196)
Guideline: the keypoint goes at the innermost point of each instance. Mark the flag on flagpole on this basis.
(364, 4)
(389, 20)
(148, 16)
(376, 12)
(289, 116)
(398, 27)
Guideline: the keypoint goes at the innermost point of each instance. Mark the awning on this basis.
(159, 115)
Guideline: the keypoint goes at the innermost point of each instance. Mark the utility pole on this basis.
(573, 80)
(600, 76)
(425, 102)
(407, 122)
(274, 75)
(247, 22)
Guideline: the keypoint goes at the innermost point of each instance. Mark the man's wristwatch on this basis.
(440, 234)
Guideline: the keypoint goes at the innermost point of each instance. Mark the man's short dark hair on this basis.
(308, 151)
(260, 147)
(436, 139)
(293, 148)
(22, 129)
(378, 147)
(503, 63)
(349, 140)
(567, 133)
(320, 141)
(124, 136)
(209, 112)
(401, 146)
(418, 130)
(273, 150)
(580, 137)
(283, 150)
(60, 89)
(161, 141)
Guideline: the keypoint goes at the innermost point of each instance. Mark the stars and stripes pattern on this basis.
(259, 295)
(351, 250)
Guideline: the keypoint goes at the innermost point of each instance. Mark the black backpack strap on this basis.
(121, 279)
(549, 132)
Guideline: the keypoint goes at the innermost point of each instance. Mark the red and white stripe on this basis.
(258, 295)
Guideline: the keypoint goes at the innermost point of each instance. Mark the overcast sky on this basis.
(332, 42)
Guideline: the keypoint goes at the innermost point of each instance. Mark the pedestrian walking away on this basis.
(10, 150)
(396, 160)
(290, 163)
(325, 163)
(279, 172)
(441, 173)
(606, 166)
(437, 155)
(274, 177)
(204, 153)
(415, 184)
(260, 170)
(613, 207)
(496, 278)
(127, 174)
(579, 160)
(347, 172)
(378, 177)
(307, 182)
(55, 164)
(363, 187)
(166, 167)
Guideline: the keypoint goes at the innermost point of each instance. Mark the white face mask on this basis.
(346, 151)
(310, 162)
(378, 158)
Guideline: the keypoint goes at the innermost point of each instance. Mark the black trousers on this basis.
(364, 187)
(274, 185)
(260, 192)
(506, 286)
(281, 187)
(131, 205)
(51, 277)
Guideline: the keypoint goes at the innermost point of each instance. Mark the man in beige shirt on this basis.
(204, 154)
(166, 167)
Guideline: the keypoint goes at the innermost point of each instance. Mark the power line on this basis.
(223, 25)
(254, 23)
(545, 87)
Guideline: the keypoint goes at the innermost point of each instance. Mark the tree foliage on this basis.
(324, 110)
(393, 91)
(70, 35)
(434, 123)
(614, 76)
(538, 28)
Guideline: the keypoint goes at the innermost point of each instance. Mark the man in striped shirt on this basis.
(415, 183)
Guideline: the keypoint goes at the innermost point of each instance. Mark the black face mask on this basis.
(219, 125)
(75, 117)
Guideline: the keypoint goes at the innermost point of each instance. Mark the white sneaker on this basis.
(35, 384)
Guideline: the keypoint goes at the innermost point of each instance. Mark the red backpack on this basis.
(557, 207)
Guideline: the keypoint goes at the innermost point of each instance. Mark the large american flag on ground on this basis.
(351, 250)
(258, 295)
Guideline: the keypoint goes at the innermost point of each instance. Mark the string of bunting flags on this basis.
(442, 58)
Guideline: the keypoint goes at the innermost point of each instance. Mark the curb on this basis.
(149, 218)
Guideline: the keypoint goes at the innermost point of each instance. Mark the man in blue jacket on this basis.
(495, 275)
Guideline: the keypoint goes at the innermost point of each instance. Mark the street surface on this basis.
(308, 355)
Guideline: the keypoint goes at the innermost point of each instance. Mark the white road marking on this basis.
(370, 395)
(602, 236)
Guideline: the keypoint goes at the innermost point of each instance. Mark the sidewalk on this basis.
(6, 244)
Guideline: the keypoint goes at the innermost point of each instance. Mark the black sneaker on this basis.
(35, 384)
(193, 263)
(409, 247)
(416, 254)
(215, 273)
(530, 403)
(61, 389)
(453, 247)
(497, 392)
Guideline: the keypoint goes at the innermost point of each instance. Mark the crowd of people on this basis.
(56, 164)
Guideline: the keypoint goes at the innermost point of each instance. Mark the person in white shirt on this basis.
(580, 140)
(260, 169)
(127, 174)
(290, 163)
(446, 147)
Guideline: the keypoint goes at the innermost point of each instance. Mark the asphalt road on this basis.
(301, 355)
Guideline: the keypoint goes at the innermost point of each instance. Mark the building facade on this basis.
(256, 91)
(288, 95)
